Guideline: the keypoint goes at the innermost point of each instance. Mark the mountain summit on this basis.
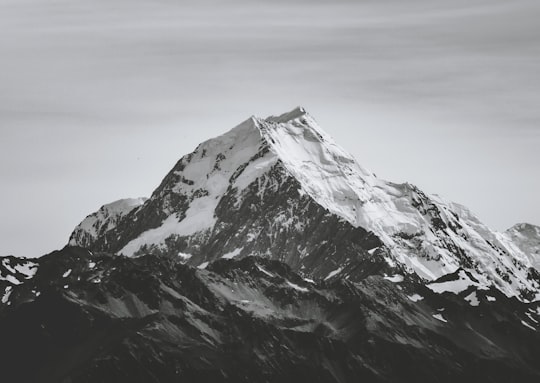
(281, 188)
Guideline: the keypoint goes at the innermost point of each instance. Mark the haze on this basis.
(99, 98)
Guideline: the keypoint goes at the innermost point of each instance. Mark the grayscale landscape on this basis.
(302, 191)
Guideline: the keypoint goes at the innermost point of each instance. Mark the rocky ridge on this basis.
(97, 317)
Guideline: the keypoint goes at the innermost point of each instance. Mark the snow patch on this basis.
(11, 279)
(7, 265)
(531, 318)
(66, 274)
(455, 286)
(199, 216)
(415, 297)
(472, 299)
(28, 269)
(333, 273)
(7, 292)
(233, 253)
(296, 287)
(439, 317)
(203, 265)
(185, 256)
(397, 278)
(527, 325)
(264, 271)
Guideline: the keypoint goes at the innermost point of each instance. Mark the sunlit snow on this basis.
(527, 325)
(395, 278)
(28, 269)
(415, 297)
(264, 271)
(7, 292)
(185, 256)
(439, 317)
(531, 318)
(11, 279)
(296, 287)
(333, 273)
(232, 254)
(472, 299)
(203, 265)
(456, 286)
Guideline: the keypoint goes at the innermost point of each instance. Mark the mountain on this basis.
(86, 317)
(270, 255)
(281, 188)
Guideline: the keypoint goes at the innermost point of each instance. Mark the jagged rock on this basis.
(97, 317)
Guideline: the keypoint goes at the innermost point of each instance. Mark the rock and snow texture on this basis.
(104, 220)
(527, 238)
(97, 317)
(456, 283)
(15, 270)
(203, 179)
(273, 187)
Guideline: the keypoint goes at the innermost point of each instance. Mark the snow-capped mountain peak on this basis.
(428, 235)
(281, 187)
(326, 171)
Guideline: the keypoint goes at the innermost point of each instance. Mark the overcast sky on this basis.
(99, 98)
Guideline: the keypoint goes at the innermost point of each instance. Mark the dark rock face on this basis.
(95, 317)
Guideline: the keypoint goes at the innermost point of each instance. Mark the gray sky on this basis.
(99, 98)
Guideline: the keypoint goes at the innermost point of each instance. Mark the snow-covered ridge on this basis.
(424, 233)
(103, 220)
(430, 236)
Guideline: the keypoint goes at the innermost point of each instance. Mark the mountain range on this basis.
(269, 254)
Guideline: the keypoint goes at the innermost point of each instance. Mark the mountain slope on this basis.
(102, 221)
(281, 188)
(527, 238)
(96, 317)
